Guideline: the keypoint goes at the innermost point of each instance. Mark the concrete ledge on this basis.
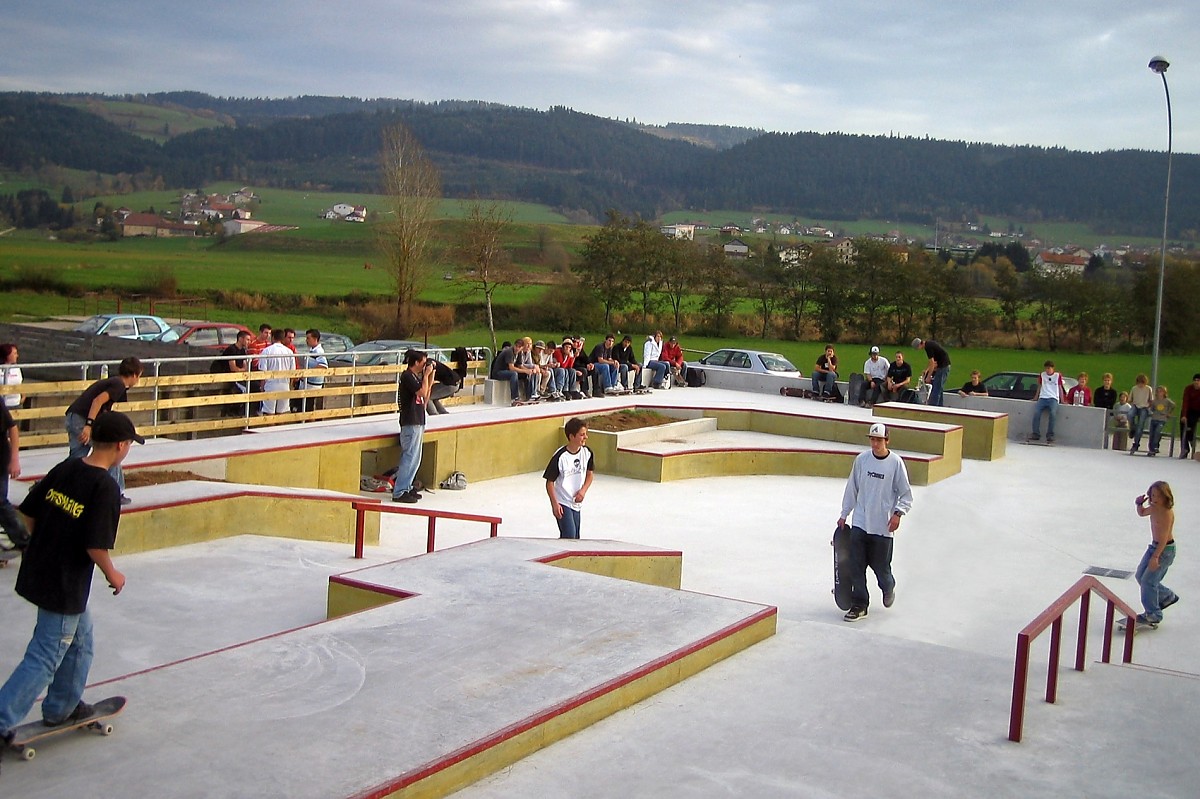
(985, 433)
(188, 512)
(1076, 426)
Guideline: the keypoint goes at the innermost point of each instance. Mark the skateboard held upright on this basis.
(841, 566)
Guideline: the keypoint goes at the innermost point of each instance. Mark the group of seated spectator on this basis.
(535, 371)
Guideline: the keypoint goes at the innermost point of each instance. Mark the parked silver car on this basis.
(736, 361)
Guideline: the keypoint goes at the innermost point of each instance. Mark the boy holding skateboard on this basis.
(72, 515)
(879, 494)
(568, 477)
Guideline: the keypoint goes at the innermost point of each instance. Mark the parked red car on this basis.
(214, 336)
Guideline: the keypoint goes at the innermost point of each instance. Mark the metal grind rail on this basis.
(362, 508)
(1052, 618)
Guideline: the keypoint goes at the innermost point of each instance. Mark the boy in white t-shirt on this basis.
(1050, 394)
(568, 478)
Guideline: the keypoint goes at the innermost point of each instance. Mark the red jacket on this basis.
(672, 353)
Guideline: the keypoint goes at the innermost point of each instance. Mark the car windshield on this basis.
(173, 333)
(91, 325)
(718, 358)
(774, 362)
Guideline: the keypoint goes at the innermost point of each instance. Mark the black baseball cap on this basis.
(113, 427)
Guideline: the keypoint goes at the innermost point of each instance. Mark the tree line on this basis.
(583, 165)
(880, 293)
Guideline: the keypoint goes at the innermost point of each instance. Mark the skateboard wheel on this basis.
(106, 729)
(28, 753)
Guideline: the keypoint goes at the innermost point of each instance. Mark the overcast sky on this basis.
(1058, 73)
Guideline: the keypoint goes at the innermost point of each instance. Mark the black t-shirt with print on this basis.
(76, 507)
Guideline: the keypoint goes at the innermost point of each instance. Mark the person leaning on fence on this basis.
(95, 400)
(314, 359)
(10, 373)
(233, 360)
(446, 383)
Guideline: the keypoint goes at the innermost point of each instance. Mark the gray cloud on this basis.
(1069, 74)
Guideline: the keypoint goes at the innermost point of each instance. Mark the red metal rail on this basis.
(362, 508)
(1052, 617)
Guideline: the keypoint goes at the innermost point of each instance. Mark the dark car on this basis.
(1015, 385)
(214, 336)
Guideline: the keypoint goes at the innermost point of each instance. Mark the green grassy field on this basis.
(149, 121)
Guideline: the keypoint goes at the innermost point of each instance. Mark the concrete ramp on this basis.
(476, 657)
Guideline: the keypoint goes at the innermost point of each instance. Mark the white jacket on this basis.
(652, 351)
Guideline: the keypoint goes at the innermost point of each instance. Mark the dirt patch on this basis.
(139, 478)
(619, 421)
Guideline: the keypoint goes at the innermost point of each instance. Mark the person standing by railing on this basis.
(276, 358)
(95, 400)
(10, 374)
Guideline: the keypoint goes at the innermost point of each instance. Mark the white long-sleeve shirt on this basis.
(877, 488)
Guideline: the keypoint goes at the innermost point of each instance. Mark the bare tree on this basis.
(483, 249)
(412, 188)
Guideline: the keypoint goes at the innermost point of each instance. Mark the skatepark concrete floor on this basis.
(910, 701)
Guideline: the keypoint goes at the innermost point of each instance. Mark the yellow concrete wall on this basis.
(984, 438)
(665, 570)
(342, 599)
(209, 519)
(509, 750)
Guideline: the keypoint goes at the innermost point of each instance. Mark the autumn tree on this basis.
(412, 188)
(482, 247)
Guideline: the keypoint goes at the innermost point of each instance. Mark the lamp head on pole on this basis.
(1159, 64)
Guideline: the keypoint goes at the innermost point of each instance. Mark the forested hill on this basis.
(587, 164)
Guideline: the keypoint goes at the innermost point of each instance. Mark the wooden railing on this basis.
(363, 508)
(188, 404)
(1052, 617)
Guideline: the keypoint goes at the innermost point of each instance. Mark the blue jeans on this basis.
(937, 384)
(1050, 405)
(1154, 593)
(1137, 424)
(606, 374)
(874, 551)
(1156, 428)
(514, 382)
(77, 449)
(59, 656)
(568, 525)
(661, 369)
(823, 382)
(411, 438)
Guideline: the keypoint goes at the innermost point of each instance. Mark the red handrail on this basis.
(362, 508)
(1052, 617)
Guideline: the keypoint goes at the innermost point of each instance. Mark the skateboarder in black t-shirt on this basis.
(73, 514)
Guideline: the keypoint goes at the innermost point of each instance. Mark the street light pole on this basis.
(1159, 65)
